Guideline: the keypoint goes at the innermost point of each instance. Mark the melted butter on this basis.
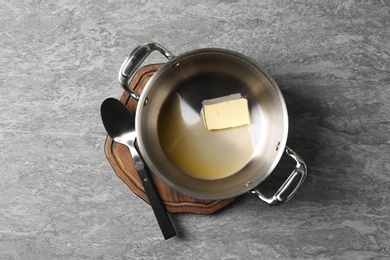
(197, 151)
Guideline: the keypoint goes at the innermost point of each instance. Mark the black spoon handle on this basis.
(157, 206)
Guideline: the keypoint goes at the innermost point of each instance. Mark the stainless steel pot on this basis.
(190, 75)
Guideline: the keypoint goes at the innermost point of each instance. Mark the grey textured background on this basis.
(60, 199)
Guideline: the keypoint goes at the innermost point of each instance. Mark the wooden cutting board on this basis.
(120, 159)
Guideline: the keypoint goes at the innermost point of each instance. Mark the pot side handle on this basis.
(134, 61)
(290, 186)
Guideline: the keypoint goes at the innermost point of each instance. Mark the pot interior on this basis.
(179, 88)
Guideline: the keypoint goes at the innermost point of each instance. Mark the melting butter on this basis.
(197, 151)
(225, 112)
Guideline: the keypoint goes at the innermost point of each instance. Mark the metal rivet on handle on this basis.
(277, 146)
(247, 183)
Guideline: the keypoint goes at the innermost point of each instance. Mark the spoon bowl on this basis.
(120, 125)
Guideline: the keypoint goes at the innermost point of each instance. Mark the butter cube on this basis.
(225, 112)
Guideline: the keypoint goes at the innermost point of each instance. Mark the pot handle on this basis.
(134, 61)
(290, 186)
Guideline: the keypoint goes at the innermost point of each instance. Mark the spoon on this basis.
(120, 126)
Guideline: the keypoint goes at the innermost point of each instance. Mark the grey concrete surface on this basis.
(60, 199)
